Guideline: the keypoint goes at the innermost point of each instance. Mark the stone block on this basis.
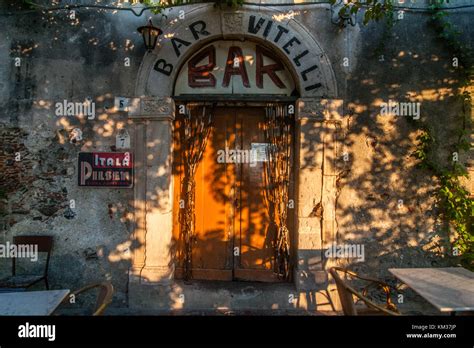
(310, 144)
(309, 191)
(309, 233)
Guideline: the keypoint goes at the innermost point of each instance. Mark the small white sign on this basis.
(122, 140)
(121, 104)
(259, 152)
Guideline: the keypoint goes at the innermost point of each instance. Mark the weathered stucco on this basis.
(381, 199)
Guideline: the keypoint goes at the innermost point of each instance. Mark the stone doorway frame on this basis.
(320, 126)
(319, 129)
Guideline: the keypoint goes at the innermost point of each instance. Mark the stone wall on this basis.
(15, 172)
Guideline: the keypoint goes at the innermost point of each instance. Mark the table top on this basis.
(31, 303)
(449, 289)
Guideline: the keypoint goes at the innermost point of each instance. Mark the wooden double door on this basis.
(234, 237)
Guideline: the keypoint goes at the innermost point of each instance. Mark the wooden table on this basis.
(31, 303)
(449, 289)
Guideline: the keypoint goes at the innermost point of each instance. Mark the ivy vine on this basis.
(157, 7)
(455, 201)
(386, 33)
(375, 9)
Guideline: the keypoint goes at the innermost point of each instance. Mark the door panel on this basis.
(213, 242)
(254, 233)
(213, 180)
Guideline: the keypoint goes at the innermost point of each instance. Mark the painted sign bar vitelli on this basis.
(105, 169)
(234, 67)
(270, 42)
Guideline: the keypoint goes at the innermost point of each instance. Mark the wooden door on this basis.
(234, 236)
(254, 234)
(214, 182)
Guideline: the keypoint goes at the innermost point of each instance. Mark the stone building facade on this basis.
(355, 181)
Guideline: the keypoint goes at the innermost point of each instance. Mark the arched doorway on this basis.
(319, 121)
(233, 164)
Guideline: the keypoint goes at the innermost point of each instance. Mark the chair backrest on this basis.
(104, 298)
(44, 243)
(106, 292)
(345, 295)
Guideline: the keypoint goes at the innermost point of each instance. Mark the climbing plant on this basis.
(457, 206)
(157, 7)
(386, 33)
(375, 9)
(424, 148)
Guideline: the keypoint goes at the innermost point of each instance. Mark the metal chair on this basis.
(347, 293)
(104, 298)
(45, 244)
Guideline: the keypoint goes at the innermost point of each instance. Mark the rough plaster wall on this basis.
(383, 174)
(65, 60)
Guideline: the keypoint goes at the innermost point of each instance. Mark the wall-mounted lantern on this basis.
(150, 35)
